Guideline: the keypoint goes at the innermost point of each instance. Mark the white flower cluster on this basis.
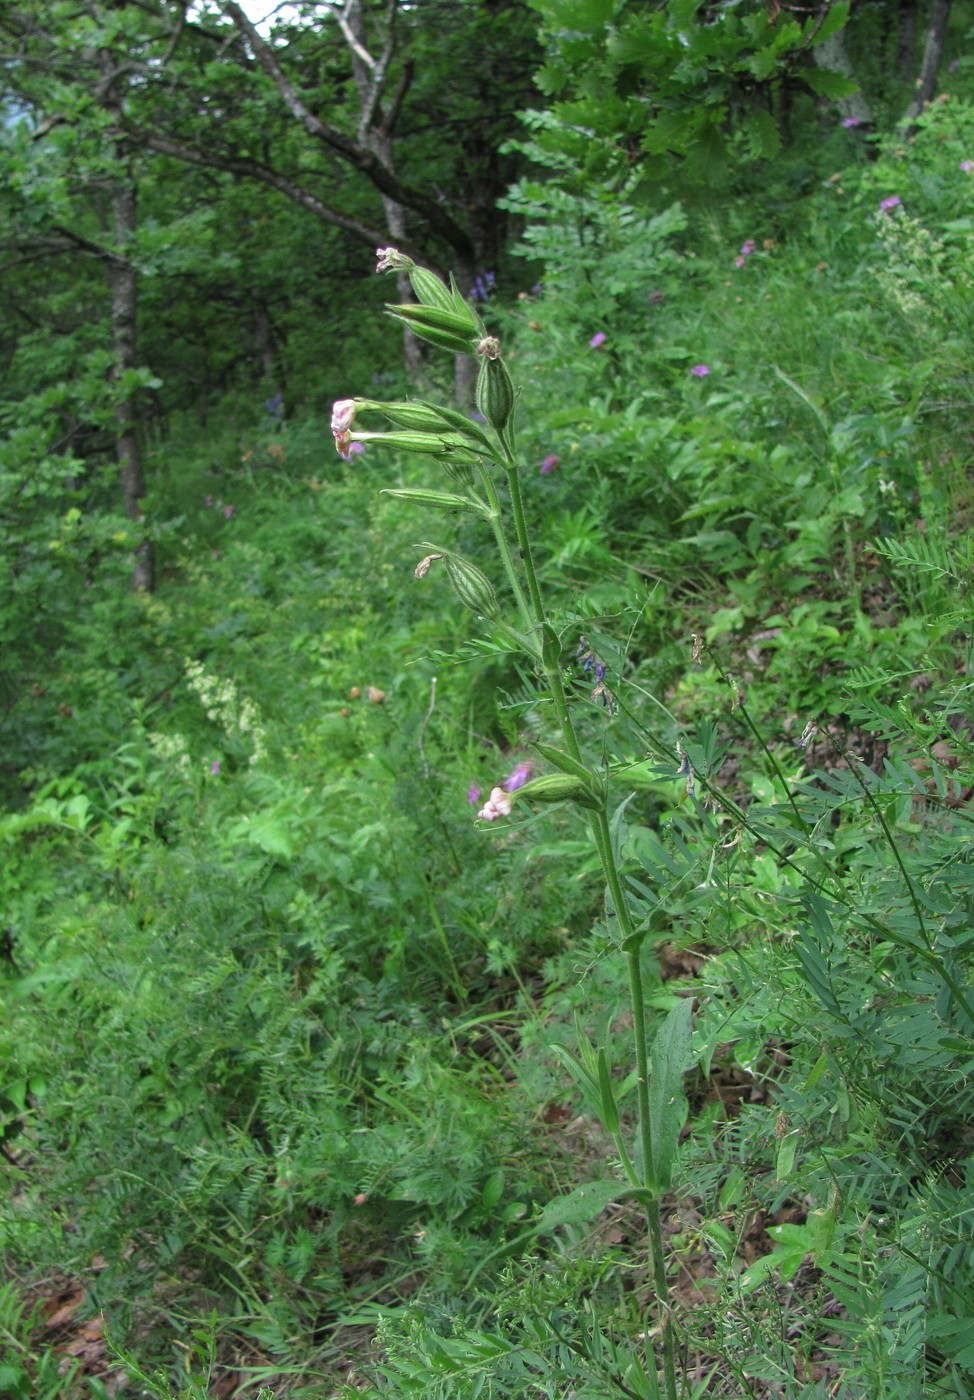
(171, 748)
(225, 707)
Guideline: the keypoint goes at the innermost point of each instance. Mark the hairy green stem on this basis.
(497, 525)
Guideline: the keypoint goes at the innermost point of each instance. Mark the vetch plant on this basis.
(479, 462)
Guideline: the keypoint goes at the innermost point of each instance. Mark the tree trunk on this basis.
(375, 134)
(907, 40)
(933, 52)
(831, 54)
(124, 286)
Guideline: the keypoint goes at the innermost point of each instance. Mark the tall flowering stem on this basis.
(601, 834)
(442, 317)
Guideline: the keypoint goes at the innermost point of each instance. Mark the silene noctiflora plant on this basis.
(478, 460)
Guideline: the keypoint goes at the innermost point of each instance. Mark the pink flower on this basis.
(549, 463)
(700, 371)
(497, 805)
(343, 413)
(967, 165)
(209, 501)
(887, 205)
(473, 794)
(739, 261)
(598, 339)
(227, 512)
(215, 767)
(850, 123)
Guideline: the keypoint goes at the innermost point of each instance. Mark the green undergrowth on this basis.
(285, 1092)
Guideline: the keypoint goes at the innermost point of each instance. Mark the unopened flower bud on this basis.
(560, 787)
(472, 586)
(430, 291)
(495, 396)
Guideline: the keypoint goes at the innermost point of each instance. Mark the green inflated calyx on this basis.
(495, 392)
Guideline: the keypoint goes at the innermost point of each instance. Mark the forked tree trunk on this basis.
(933, 53)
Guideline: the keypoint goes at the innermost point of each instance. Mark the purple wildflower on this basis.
(473, 794)
(227, 512)
(518, 778)
(548, 465)
(886, 205)
(599, 338)
(355, 449)
(739, 261)
(209, 500)
(850, 123)
(477, 418)
(953, 65)
(700, 371)
(967, 165)
(747, 248)
(274, 405)
(482, 287)
(215, 767)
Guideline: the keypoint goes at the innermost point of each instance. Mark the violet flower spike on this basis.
(518, 778)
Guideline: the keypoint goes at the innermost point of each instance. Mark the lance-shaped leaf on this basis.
(671, 1057)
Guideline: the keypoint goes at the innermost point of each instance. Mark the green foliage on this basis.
(302, 1072)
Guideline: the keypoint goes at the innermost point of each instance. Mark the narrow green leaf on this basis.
(581, 1205)
(610, 1113)
(671, 1057)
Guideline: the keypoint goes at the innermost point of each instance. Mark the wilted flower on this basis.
(473, 794)
(700, 371)
(599, 338)
(886, 205)
(391, 258)
(342, 418)
(550, 462)
(518, 778)
(497, 805)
